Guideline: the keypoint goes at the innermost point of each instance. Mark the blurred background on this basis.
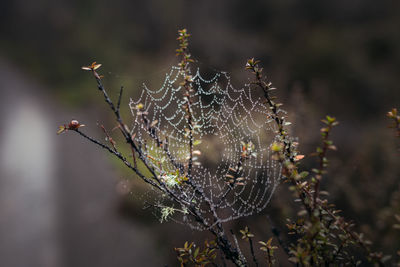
(64, 202)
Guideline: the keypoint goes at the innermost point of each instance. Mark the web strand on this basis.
(227, 123)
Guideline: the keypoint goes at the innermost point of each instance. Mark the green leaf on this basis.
(330, 119)
(196, 142)
(304, 174)
(196, 252)
(316, 170)
(276, 147)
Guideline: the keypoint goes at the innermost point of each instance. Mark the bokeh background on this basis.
(64, 202)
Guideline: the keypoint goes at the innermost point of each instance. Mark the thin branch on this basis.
(159, 186)
(123, 127)
(236, 175)
(119, 99)
(291, 172)
(240, 254)
(153, 134)
(109, 138)
(122, 158)
(230, 251)
(222, 241)
(322, 159)
(252, 252)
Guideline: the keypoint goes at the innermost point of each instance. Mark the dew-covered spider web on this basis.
(230, 131)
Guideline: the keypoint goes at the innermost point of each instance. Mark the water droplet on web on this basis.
(225, 117)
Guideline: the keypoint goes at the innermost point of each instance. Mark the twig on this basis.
(310, 202)
(238, 247)
(122, 158)
(153, 134)
(322, 159)
(252, 252)
(236, 174)
(119, 99)
(109, 139)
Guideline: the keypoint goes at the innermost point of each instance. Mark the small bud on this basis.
(74, 124)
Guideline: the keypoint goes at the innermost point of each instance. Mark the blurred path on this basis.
(57, 198)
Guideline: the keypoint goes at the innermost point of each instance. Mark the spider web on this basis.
(225, 121)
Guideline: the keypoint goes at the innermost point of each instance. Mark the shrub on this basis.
(171, 141)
